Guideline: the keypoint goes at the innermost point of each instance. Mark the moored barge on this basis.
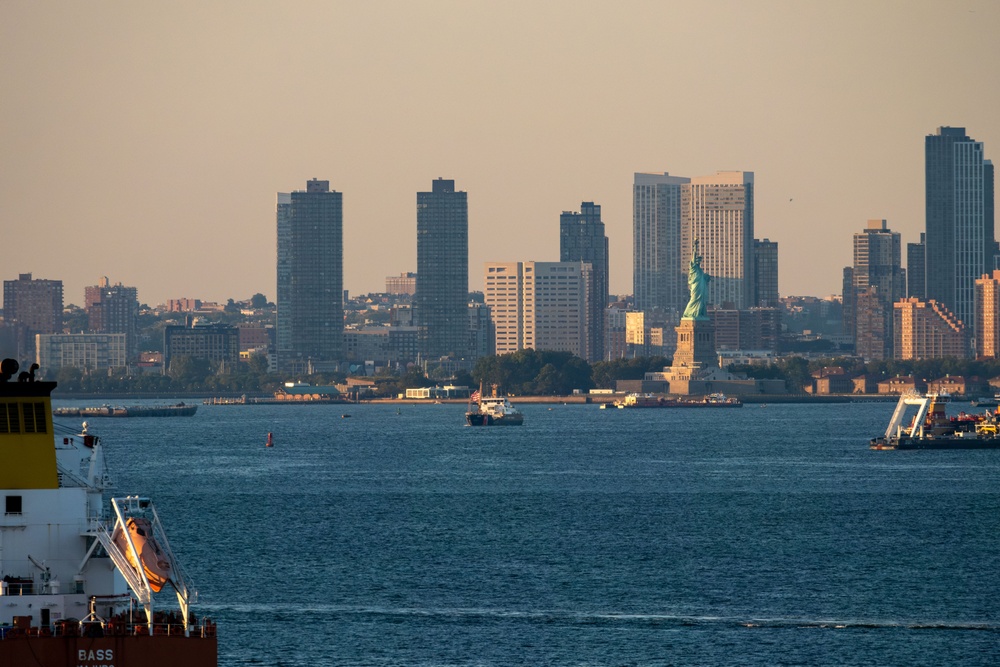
(658, 401)
(178, 410)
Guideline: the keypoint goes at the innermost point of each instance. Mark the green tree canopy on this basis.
(189, 371)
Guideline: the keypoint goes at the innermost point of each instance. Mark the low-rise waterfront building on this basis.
(831, 380)
(86, 351)
(902, 384)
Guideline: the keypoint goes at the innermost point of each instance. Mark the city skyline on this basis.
(149, 140)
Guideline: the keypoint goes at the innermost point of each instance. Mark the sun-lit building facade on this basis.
(926, 330)
(538, 305)
(988, 316)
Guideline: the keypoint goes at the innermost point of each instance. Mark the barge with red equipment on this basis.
(931, 427)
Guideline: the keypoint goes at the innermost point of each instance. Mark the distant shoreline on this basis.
(576, 399)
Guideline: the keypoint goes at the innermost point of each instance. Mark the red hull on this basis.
(141, 651)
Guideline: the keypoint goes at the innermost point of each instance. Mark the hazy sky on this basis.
(145, 141)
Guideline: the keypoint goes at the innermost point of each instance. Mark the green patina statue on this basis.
(698, 284)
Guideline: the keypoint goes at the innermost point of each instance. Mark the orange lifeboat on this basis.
(154, 563)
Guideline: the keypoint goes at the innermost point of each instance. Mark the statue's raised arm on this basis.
(698, 284)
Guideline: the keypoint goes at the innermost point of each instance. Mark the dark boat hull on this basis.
(482, 419)
(120, 651)
(941, 442)
(676, 404)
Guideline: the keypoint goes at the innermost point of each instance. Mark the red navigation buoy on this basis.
(270, 440)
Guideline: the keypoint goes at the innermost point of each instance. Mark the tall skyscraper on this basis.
(310, 272)
(440, 303)
(717, 210)
(32, 306)
(960, 243)
(114, 309)
(765, 273)
(658, 269)
(915, 260)
(878, 282)
(582, 239)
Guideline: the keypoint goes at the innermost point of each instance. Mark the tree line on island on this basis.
(522, 373)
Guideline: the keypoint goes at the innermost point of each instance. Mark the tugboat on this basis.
(932, 428)
(492, 411)
(79, 569)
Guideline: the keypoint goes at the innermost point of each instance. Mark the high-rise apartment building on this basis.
(765, 273)
(537, 305)
(960, 242)
(878, 280)
(440, 302)
(582, 239)
(718, 210)
(310, 272)
(114, 309)
(658, 278)
(915, 275)
(35, 303)
(988, 316)
(926, 330)
(31, 307)
(480, 332)
(872, 325)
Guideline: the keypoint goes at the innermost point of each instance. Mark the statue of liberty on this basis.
(698, 284)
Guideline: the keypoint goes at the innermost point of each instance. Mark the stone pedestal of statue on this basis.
(695, 355)
(695, 344)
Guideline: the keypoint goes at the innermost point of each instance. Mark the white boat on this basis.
(494, 411)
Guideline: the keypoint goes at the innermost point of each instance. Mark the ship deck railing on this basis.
(203, 630)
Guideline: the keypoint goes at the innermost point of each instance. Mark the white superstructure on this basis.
(57, 557)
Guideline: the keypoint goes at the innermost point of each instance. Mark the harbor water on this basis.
(384, 535)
